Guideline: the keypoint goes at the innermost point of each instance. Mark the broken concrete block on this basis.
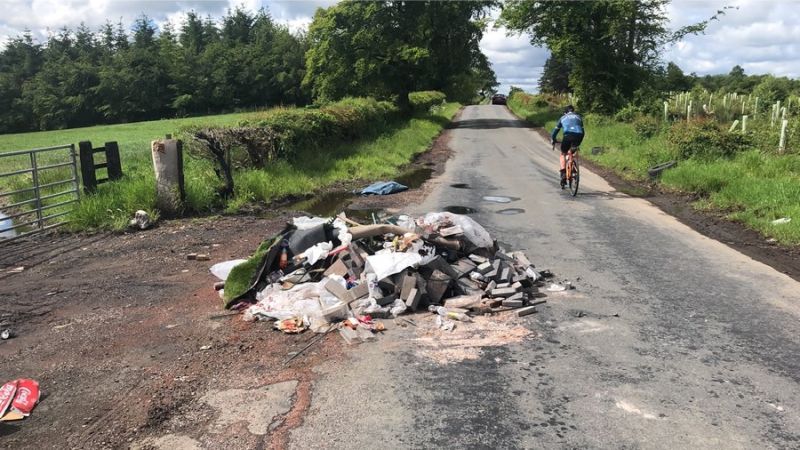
(492, 284)
(526, 311)
(441, 265)
(518, 296)
(337, 268)
(359, 291)
(338, 290)
(437, 285)
(505, 292)
(521, 259)
(505, 275)
(348, 334)
(512, 303)
(478, 259)
(409, 282)
(335, 312)
(491, 275)
(463, 266)
(517, 285)
(485, 268)
(502, 285)
(412, 301)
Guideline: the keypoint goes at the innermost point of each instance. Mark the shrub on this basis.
(284, 132)
(646, 126)
(423, 101)
(704, 139)
(627, 114)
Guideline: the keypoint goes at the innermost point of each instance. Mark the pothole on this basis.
(511, 211)
(500, 199)
(460, 209)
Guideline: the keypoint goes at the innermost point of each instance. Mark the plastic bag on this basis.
(223, 269)
(317, 252)
(473, 231)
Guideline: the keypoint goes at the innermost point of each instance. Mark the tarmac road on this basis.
(671, 340)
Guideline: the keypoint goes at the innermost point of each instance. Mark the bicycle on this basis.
(572, 169)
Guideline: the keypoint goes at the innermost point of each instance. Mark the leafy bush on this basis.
(646, 126)
(706, 140)
(283, 132)
(423, 101)
(627, 114)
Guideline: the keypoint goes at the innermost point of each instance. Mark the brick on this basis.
(492, 284)
(491, 275)
(521, 259)
(412, 301)
(505, 292)
(485, 268)
(505, 274)
(463, 266)
(337, 268)
(478, 259)
(359, 291)
(512, 303)
(437, 285)
(338, 290)
(441, 265)
(502, 285)
(409, 282)
(526, 311)
(517, 285)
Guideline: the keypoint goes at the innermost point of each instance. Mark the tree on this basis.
(390, 48)
(675, 80)
(613, 45)
(555, 76)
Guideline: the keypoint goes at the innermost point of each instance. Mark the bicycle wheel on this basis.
(575, 178)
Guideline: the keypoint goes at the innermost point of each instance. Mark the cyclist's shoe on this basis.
(563, 179)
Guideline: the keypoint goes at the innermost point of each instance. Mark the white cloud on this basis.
(763, 36)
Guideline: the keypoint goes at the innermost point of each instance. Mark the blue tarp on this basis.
(383, 188)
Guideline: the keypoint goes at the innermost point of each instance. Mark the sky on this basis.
(763, 36)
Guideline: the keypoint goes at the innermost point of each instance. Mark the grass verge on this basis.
(307, 172)
(752, 187)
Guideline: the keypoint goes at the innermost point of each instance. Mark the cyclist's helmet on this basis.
(569, 109)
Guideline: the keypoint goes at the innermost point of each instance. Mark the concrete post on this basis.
(168, 167)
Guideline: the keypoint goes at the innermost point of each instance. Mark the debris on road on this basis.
(6, 334)
(322, 274)
(384, 188)
(141, 220)
(782, 220)
(17, 399)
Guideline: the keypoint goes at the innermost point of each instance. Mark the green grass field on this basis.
(114, 204)
(753, 188)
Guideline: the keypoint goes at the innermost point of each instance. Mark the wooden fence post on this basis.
(87, 167)
(114, 166)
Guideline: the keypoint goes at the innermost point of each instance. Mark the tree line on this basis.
(608, 53)
(244, 60)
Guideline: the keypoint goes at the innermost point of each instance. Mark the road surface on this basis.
(670, 339)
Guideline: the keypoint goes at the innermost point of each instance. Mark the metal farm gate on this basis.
(38, 191)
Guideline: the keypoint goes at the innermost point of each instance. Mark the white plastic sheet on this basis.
(223, 269)
(385, 263)
(473, 231)
(5, 222)
(317, 252)
(305, 300)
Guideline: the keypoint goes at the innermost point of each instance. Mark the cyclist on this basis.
(572, 125)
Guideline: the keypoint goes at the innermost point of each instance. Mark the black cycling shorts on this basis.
(570, 140)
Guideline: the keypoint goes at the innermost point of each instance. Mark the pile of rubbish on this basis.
(321, 274)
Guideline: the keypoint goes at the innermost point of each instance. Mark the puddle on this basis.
(499, 199)
(365, 216)
(326, 205)
(415, 178)
(460, 186)
(511, 211)
(460, 209)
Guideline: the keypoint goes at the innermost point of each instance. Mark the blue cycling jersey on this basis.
(570, 122)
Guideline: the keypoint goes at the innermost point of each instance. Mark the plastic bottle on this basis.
(446, 313)
(283, 262)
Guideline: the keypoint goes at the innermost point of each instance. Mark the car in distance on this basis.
(498, 99)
